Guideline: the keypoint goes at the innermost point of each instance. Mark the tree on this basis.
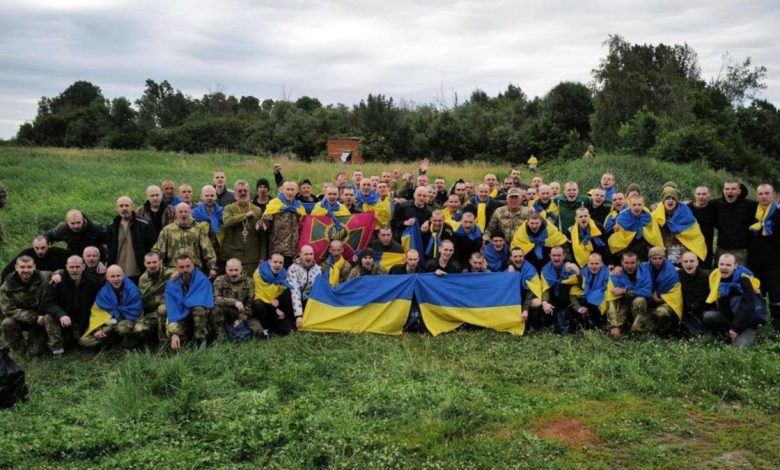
(161, 106)
(569, 107)
(737, 81)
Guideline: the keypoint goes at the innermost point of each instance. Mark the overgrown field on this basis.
(470, 399)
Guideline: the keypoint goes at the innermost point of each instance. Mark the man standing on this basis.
(587, 236)
(635, 231)
(535, 237)
(208, 214)
(705, 215)
(155, 210)
(282, 219)
(188, 299)
(182, 238)
(185, 195)
(46, 257)
(568, 204)
(445, 263)
(409, 212)
(439, 230)
(734, 214)
(384, 242)
(224, 195)
(91, 257)
(242, 237)
(129, 239)
(234, 294)
(467, 239)
(764, 249)
(20, 304)
(599, 208)
(482, 206)
(77, 232)
(169, 193)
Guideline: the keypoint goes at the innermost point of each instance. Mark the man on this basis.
(241, 228)
(476, 264)
(567, 204)
(155, 210)
(281, 220)
(695, 290)
(330, 205)
(555, 188)
(764, 249)
(185, 195)
(705, 216)
(261, 199)
(183, 238)
(357, 177)
(77, 232)
(509, 218)
(224, 195)
(468, 190)
(20, 304)
(587, 236)
(492, 182)
(618, 204)
(335, 267)
(341, 181)
(509, 183)
(169, 193)
(545, 206)
(384, 242)
(129, 239)
(273, 296)
(607, 184)
(558, 277)
(445, 263)
(535, 237)
(118, 313)
(734, 214)
(348, 200)
(301, 276)
(305, 194)
(496, 252)
(441, 191)
(740, 307)
(482, 206)
(537, 182)
(467, 239)
(451, 209)
(459, 189)
(679, 229)
(665, 308)
(599, 207)
(635, 231)
(530, 284)
(367, 266)
(411, 264)
(46, 257)
(411, 212)
(628, 294)
(590, 153)
(151, 285)
(69, 302)
(439, 230)
(208, 214)
(234, 294)
(588, 309)
(188, 299)
(91, 257)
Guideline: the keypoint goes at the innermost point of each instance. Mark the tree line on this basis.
(644, 100)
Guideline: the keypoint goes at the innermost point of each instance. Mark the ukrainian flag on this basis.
(628, 226)
(667, 285)
(490, 300)
(388, 259)
(719, 289)
(373, 304)
(684, 226)
(411, 238)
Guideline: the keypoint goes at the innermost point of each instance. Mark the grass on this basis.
(471, 399)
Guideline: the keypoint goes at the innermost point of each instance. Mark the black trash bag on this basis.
(13, 387)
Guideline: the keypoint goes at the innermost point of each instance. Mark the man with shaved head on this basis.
(409, 212)
(764, 248)
(129, 239)
(185, 195)
(208, 214)
(155, 209)
(281, 219)
(183, 238)
(301, 277)
(482, 206)
(234, 295)
(77, 232)
(47, 258)
(224, 195)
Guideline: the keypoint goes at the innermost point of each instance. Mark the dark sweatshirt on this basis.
(733, 221)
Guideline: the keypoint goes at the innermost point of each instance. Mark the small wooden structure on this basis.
(344, 150)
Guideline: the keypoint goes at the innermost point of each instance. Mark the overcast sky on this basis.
(340, 51)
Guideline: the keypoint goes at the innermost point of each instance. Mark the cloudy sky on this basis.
(340, 51)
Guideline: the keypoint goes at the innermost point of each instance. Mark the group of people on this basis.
(176, 270)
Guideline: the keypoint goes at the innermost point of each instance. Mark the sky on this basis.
(340, 51)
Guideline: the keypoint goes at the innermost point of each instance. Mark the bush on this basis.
(639, 134)
(693, 143)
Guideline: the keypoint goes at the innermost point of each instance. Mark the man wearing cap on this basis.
(305, 193)
(508, 218)
(679, 229)
(367, 266)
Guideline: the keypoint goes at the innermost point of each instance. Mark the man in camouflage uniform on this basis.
(152, 288)
(183, 238)
(20, 304)
(283, 227)
(196, 317)
(234, 294)
(508, 218)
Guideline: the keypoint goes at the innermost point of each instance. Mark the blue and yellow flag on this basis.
(529, 279)
(642, 286)
(280, 204)
(178, 304)
(720, 288)
(411, 238)
(667, 285)
(548, 236)
(582, 242)
(684, 226)
(553, 278)
(551, 212)
(764, 224)
(489, 300)
(373, 304)
(628, 226)
(594, 287)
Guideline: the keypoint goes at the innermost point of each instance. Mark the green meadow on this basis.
(469, 399)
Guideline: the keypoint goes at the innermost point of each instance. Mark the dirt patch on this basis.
(569, 430)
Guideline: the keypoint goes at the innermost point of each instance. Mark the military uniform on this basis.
(359, 270)
(21, 306)
(226, 294)
(241, 240)
(152, 288)
(175, 240)
(284, 234)
(507, 221)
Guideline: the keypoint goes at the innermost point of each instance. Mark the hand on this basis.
(55, 279)
(733, 335)
(548, 307)
(262, 226)
(275, 303)
(174, 275)
(101, 269)
(65, 321)
(572, 268)
(425, 164)
(657, 299)
(424, 227)
(616, 270)
(259, 226)
(524, 315)
(239, 306)
(279, 314)
(582, 310)
(249, 215)
(614, 331)
(236, 323)
(40, 319)
(100, 334)
(439, 272)
(175, 342)
(618, 291)
(212, 273)
(409, 222)
(298, 322)
(277, 167)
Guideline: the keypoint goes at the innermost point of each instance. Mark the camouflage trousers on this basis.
(142, 328)
(643, 318)
(195, 326)
(221, 316)
(38, 337)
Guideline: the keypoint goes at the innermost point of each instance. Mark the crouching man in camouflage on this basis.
(234, 294)
(20, 304)
(152, 287)
(188, 299)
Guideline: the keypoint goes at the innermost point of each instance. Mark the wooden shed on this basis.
(344, 150)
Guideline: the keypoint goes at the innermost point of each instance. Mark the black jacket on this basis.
(746, 317)
(407, 210)
(74, 301)
(55, 259)
(143, 233)
(733, 219)
(92, 234)
(695, 289)
(765, 249)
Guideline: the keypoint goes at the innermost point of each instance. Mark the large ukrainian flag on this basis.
(684, 226)
(373, 304)
(490, 300)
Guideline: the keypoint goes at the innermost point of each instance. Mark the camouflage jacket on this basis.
(152, 289)
(20, 301)
(283, 233)
(359, 270)
(506, 221)
(175, 240)
(226, 293)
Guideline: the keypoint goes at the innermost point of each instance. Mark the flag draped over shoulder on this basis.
(280, 204)
(684, 226)
(628, 226)
(720, 288)
(201, 215)
(548, 236)
(641, 287)
(582, 242)
(551, 212)
(490, 300)
(268, 285)
(411, 238)
(667, 285)
(355, 231)
(529, 279)
(764, 224)
(496, 260)
(200, 294)
(107, 306)
(332, 211)
(374, 304)
(553, 279)
(595, 287)
(481, 217)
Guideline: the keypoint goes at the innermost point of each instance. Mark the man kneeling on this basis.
(188, 299)
(273, 297)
